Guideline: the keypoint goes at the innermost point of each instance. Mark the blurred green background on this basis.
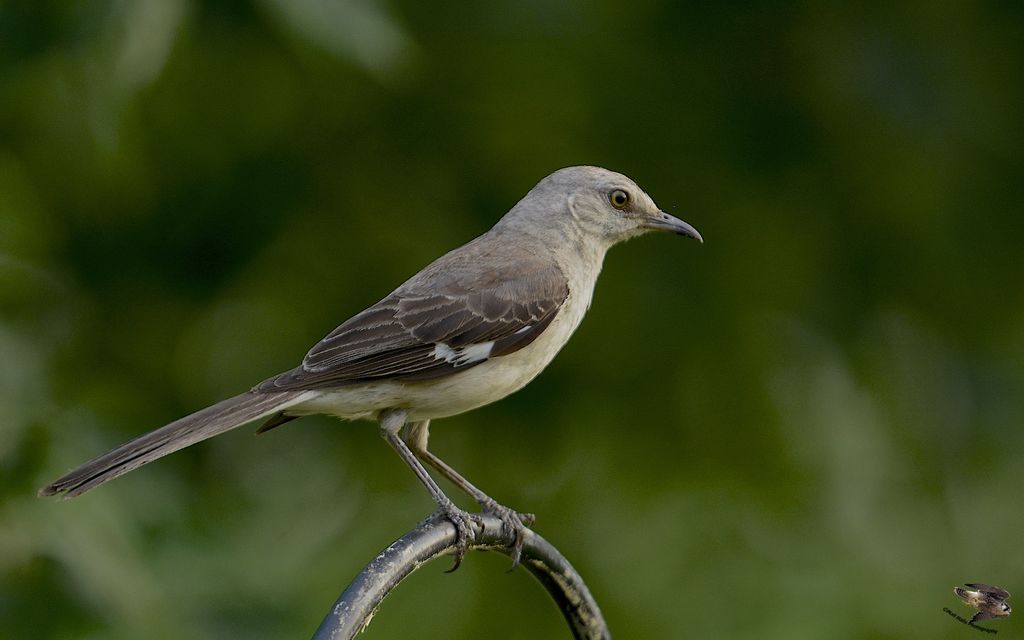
(812, 430)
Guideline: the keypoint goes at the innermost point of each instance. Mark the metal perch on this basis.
(356, 606)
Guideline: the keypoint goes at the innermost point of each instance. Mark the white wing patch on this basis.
(462, 356)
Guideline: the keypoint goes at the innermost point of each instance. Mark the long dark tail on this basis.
(211, 421)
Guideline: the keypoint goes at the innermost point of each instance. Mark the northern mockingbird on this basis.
(472, 327)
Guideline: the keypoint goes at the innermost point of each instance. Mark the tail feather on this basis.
(203, 424)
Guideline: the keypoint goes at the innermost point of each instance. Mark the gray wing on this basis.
(450, 317)
(997, 592)
(981, 615)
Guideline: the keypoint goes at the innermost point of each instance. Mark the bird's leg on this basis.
(416, 435)
(391, 422)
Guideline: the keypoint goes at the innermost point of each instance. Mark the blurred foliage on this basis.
(813, 429)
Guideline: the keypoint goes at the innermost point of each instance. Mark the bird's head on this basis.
(602, 205)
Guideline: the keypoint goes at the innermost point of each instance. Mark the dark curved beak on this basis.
(666, 222)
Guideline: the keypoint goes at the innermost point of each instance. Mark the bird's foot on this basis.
(514, 525)
(463, 522)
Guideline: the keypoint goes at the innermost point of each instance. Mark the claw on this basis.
(463, 523)
(513, 524)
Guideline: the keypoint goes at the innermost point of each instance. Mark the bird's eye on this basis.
(618, 198)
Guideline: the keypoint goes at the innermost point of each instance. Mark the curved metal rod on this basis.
(355, 607)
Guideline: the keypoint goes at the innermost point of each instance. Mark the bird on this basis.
(470, 328)
(990, 601)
